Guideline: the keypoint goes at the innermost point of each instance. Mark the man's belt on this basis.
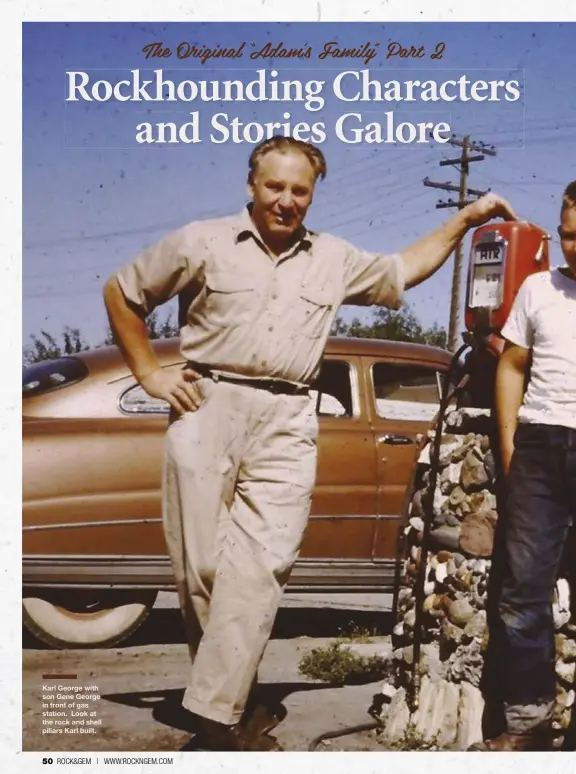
(275, 386)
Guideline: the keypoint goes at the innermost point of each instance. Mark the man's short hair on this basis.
(569, 197)
(284, 144)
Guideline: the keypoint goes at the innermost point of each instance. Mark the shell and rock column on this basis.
(458, 565)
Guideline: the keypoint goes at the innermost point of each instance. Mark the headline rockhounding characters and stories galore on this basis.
(348, 86)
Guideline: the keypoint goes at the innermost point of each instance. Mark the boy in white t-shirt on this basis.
(537, 428)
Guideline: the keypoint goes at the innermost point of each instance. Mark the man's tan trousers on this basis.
(239, 475)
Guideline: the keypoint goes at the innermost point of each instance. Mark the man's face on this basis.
(568, 237)
(282, 188)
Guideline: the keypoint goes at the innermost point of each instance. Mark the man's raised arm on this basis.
(425, 256)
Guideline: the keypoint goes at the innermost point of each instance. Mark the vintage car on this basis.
(94, 557)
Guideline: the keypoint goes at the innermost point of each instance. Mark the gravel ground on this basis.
(141, 685)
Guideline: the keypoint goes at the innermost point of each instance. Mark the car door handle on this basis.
(395, 440)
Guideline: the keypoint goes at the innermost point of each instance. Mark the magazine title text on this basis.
(353, 87)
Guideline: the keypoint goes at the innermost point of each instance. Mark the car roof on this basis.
(107, 362)
(401, 350)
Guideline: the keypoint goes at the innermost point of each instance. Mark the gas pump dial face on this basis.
(488, 253)
(487, 269)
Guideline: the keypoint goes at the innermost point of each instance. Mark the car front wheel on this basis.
(85, 618)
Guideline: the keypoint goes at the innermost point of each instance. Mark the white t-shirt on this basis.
(543, 318)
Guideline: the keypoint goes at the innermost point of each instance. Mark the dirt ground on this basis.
(141, 685)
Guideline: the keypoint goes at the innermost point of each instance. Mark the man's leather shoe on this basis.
(217, 737)
(537, 739)
(262, 718)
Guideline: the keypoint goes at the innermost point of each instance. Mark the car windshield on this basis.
(47, 375)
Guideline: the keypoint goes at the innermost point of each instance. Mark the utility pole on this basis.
(463, 192)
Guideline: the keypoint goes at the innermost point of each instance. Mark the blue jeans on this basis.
(539, 499)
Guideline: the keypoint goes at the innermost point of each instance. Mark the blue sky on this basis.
(93, 198)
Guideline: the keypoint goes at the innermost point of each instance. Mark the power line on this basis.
(366, 214)
(389, 175)
(374, 226)
(364, 205)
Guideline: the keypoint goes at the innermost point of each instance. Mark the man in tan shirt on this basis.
(240, 459)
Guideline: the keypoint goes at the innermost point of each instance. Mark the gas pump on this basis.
(502, 256)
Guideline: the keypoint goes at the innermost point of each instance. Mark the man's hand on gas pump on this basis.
(486, 208)
(424, 257)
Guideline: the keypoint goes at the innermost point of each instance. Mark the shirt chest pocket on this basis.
(315, 311)
(229, 299)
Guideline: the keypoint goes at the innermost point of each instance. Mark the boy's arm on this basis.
(511, 376)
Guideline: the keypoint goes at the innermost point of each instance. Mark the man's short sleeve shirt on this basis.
(253, 313)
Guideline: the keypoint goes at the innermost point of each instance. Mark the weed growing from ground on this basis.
(413, 739)
(339, 665)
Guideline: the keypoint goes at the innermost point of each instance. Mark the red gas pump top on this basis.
(501, 257)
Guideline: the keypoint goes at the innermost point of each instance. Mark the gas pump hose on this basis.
(445, 399)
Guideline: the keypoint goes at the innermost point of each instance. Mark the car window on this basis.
(332, 394)
(39, 378)
(137, 401)
(333, 391)
(405, 392)
(133, 399)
